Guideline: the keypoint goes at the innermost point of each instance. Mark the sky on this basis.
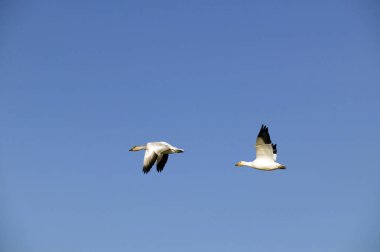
(81, 82)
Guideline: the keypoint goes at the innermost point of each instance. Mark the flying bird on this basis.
(266, 153)
(156, 152)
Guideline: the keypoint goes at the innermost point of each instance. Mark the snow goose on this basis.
(266, 153)
(156, 152)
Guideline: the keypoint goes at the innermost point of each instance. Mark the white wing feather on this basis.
(150, 158)
(264, 152)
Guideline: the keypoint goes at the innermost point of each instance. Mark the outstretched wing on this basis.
(265, 150)
(150, 158)
(161, 161)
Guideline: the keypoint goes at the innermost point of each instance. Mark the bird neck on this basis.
(140, 147)
(245, 163)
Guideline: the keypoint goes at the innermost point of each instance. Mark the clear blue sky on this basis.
(83, 81)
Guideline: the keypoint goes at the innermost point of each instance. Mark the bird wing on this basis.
(265, 150)
(274, 147)
(150, 158)
(161, 161)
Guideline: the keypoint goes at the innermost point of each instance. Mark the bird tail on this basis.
(179, 151)
(281, 166)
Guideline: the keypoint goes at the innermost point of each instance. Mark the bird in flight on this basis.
(266, 153)
(156, 152)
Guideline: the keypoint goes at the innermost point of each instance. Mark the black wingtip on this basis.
(274, 147)
(264, 134)
(264, 128)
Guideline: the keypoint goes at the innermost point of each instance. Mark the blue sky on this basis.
(83, 81)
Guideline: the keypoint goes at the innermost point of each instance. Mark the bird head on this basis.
(137, 148)
(240, 163)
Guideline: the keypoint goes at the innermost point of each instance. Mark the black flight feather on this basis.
(161, 161)
(264, 134)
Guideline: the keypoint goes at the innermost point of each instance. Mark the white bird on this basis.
(156, 151)
(266, 153)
